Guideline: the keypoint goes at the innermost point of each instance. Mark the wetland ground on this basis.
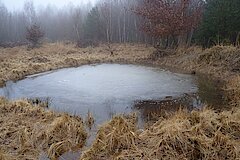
(203, 134)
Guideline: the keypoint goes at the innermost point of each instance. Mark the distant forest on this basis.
(166, 23)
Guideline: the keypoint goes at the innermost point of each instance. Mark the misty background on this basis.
(75, 20)
(18, 5)
(169, 23)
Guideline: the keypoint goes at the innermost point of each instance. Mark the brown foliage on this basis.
(170, 17)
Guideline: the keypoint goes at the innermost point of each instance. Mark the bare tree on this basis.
(78, 23)
(30, 12)
(117, 23)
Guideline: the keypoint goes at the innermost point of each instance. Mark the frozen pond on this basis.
(104, 89)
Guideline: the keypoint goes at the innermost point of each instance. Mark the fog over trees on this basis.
(107, 21)
(166, 22)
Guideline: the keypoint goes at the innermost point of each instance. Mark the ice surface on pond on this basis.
(103, 89)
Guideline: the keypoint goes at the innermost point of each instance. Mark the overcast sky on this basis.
(18, 4)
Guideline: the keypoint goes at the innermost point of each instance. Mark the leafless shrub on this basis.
(87, 43)
(159, 53)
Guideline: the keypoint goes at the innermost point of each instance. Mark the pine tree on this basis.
(221, 23)
(34, 35)
(93, 25)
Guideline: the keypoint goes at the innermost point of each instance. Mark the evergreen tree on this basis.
(221, 23)
(93, 25)
(34, 35)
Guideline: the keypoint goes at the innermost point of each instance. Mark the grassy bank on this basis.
(27, 131)
(16, 63)
(219, 62)
(197, 135)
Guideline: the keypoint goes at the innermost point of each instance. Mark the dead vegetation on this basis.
(27, 131)
(5, 156)
(18, 62)
(112, 138)
(233, 90)
(12, 44)
(89, 120)
(40, 102)
(196, 135)
(225, 57)
(87, 43)
(220, 62)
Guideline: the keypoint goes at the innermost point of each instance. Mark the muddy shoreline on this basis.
(17, 63)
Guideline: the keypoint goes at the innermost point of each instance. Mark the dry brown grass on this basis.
(233, 90)
(16, 63)
(112, 138)
(89, 121)
(197, 135)
(220, 62)
(27, 131)
(5, 156)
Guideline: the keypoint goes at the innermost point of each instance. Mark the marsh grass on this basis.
(112, 138)
(40, 102)
(196, 135)
(26, 131)
(233, 90)
(89, 120)
(220, 62)
(5, 156)
(18, 62)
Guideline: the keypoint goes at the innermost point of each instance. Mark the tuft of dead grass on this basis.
(112, 138)
(233, 90)
(225, 57)
(89, 120)
(27, 131)
(5, 156)
(219, 61)
(197, 135)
